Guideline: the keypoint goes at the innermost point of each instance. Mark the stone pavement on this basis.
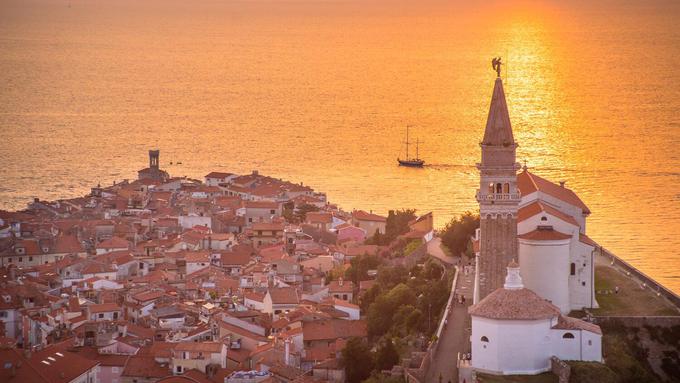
(455, 335)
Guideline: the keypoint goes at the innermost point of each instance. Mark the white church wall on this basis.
(566, 208)
(545, 270)
(509, 339)
(485, 354)
(581, 284)
(531, 223)
(591, 347)
(585, 345)
(564, 346)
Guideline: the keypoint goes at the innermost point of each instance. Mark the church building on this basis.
(526, 217)
(153, 172)
(515, 331)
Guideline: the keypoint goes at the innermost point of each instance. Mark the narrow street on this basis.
(455, 336)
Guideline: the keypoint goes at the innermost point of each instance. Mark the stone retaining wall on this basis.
(561, 369)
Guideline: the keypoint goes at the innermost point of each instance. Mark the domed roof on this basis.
(514, 304)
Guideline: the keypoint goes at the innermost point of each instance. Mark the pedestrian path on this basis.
(455, 338)
(434, 248)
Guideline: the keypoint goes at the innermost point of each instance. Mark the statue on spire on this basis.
(496, 65)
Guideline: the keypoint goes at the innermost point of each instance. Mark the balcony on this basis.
(498, 196)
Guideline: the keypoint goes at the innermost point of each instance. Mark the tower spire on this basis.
(498, 130)
(497, 195)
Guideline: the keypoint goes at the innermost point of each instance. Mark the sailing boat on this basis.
(412, 162)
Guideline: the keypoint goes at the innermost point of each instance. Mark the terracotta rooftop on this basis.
(330, 329)
(528, 183)
(537, 207)
(569, 323)
(518, 304)
(284, 295)
(366, 216)
(544, 235)
(213, 347)
(113, 243)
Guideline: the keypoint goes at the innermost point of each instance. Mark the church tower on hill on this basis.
(498, 195)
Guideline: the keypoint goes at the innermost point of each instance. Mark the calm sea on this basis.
(321, 92)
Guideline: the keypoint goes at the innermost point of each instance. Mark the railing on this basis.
(498, 196)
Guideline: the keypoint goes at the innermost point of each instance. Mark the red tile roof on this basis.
(104, 307)
(331, 329)
(569, 323)
(365, 216)
(514, 305)
(54, 364)
(144, 366)
(218, 175)
(587, 240)
(544, 235)
(113, 243)
(528, 183)
(537, 207)
(284, 295)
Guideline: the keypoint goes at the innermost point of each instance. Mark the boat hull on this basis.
(411, 163)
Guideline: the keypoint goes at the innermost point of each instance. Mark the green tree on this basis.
(302, 210)
(397, 223)
(357, 360)
(359, 266)
(414, 321)
(458, 231)
(388, 277)
(380, 315)
(369, 297)
(386, 356)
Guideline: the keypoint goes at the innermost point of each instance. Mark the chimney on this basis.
(286, 344)
(256, 173)
(340, 281)
(562, 183)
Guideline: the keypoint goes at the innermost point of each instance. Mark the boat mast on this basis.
(417, 155)
(407, 142)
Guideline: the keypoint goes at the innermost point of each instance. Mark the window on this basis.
(573, 269)
(590, 342)
(115, 315)
(21, 259)
(583, 283)
(506, 188)
(499, 188)
(485, 339)
(568, 335)
(272, 211)
(544, 218)
(3, 314)
(490, 188)
(179, 368)
(250, 219)
(101, 315)
(30, 259)
(344, 297)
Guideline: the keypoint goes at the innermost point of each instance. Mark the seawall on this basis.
(629, 269)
